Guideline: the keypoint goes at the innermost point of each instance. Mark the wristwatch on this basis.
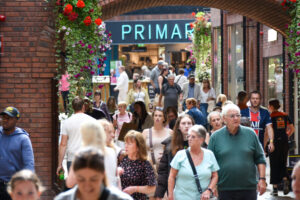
(209, 189)
(262, 178)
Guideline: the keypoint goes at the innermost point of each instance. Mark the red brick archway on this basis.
(268, 12)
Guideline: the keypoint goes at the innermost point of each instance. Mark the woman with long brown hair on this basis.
(155, 135)
(173, 144)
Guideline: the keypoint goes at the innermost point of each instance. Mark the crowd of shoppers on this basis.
(193, 154)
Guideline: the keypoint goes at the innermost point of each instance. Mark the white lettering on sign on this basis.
(161, 31)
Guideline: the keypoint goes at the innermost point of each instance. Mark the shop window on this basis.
(217, 60)
(275, 78)
(235, 61)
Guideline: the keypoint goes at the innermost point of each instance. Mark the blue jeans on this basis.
(203, 109)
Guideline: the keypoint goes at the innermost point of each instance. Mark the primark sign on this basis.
(147, 32)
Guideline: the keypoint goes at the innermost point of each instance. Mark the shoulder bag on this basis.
(194, 171)
(196, 175)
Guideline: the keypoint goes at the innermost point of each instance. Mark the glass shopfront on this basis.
(274, 81)
(217, 60)
(235, 60)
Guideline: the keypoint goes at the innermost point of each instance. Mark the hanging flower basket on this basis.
(201, 46)
(83, 39)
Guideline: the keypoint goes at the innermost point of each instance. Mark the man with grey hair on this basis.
(215, 120)
(238, 152)
(155, 74)
(122, 84)
(191, 90)
(171, 91)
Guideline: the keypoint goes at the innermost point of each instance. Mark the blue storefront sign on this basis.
(147, 32)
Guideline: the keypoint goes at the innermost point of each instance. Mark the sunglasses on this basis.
(159, 108)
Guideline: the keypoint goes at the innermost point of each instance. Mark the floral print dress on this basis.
(137, 173)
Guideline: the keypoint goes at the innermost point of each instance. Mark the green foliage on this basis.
(82, 41)
(201, 48)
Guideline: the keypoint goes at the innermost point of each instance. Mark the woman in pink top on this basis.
(119, 119)
(64, 88)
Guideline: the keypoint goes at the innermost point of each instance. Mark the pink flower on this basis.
(77, 75)
(92, 72)
(100, 86)
(91, 52)
(286, 44)
(89, 46)
(297, 71)
(88, 94)
(89, 61)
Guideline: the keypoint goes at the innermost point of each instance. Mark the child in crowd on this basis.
(25, 185)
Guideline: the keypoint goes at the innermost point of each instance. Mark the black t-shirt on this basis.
(171, 94)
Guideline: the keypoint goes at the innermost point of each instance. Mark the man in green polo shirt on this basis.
(238, 152)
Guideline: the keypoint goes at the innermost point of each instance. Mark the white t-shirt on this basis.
(204, 96)
(110, 164)
(71, 128)
(139, 96)
(180, 80)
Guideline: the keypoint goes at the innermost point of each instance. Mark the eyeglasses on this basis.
(191, 137)
(234, 115)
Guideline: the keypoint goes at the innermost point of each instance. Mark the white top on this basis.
(205, 96)
(71, 128)
(122, 86)
(110, 164)
(180, 80)
(139, 96)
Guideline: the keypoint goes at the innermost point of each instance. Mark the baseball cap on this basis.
(191, 76)
(11, 111)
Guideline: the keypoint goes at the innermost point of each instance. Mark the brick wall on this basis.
(27, 67)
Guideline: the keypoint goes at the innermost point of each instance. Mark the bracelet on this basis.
(262, 178)
(209, 189)
(271, 141)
